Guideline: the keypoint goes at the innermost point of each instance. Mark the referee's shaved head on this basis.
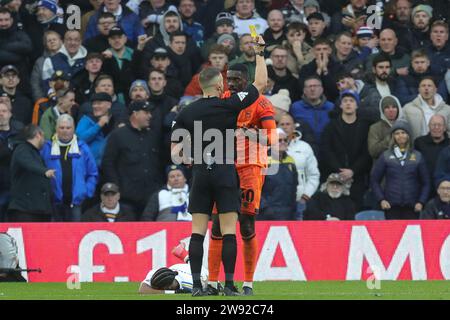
(209, 77)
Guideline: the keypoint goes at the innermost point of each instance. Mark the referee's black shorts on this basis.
(219, 185)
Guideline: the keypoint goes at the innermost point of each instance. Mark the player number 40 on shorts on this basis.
(259, 309)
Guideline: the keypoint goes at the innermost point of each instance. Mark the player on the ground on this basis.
(174, 279)
(258, 116)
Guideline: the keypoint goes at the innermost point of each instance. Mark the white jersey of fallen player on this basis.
(184, 277)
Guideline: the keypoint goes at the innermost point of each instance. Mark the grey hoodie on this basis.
(380, 132)
(162, 29)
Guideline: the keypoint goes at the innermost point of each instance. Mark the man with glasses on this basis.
(280, 73)
(99, 43)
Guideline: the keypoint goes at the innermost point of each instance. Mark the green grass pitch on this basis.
(322, 290)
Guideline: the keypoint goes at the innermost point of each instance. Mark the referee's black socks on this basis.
(229, 252)
(196, 257)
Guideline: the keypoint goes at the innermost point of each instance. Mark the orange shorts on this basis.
(251, 182)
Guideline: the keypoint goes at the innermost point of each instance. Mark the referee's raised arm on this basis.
(261, 69)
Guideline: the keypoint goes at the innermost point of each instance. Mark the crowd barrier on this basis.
(301, 251)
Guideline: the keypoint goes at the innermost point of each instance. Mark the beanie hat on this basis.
(364, 32)
(281, 100)
(350, 93)
(49, 4)
(401, 124)
(225, 37)
(139, 83)
(423, 7)
(311, 3)
(224, 18)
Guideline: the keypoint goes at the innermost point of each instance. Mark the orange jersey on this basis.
(251, 152)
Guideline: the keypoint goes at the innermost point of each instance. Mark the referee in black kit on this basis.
(214, 177)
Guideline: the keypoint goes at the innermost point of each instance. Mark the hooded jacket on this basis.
(379, 133)
(306, 164)
(414, 113)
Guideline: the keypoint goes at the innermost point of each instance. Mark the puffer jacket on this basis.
(307, 167)
(404, 185)
(315, 116)
(278, 199)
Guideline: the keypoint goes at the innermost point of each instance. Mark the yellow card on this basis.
(253, 32)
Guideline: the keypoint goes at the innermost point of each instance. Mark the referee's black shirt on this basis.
(214, 113)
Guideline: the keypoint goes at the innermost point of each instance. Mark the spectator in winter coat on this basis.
(22, 108)
(278, 199)
(30, 180)
(171, 202)
(406, 179)
(84, 81)
(99, 43)
(125, 18)
(324, 67)
(419, 34)
(76, 173)
(70, 59)
(433, 143)
(117, 62)
(53, 43)
(280, 73)
(398, 56)
(407, 86)
(428, 103)
(332, 202)
(131, 158)
(109, 209)
(224, 25)
(193, 29)
(274, 34)
(305, 162)
(346, 55)
(439, 50)
(439, 206)
(299, 52)
(351, 17)
(151, 14)
(314, 107)
(65, 100)
(15, 46)
(344, 147)
(9, 133)
(95, 128)
(380, 132)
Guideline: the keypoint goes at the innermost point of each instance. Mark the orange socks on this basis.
(214, 259)
(250, 256)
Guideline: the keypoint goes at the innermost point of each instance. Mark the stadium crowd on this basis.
(361, 99)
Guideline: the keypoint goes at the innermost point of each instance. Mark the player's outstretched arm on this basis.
(261, 69)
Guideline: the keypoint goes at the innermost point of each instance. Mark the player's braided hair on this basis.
(162, 278)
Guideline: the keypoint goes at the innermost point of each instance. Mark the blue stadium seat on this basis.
(370, 215)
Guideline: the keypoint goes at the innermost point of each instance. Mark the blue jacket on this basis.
(404, 185)
(279, 194)
(129, 22)
(442, 165)
(84, 173)
(90, 132)
(316, 117)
